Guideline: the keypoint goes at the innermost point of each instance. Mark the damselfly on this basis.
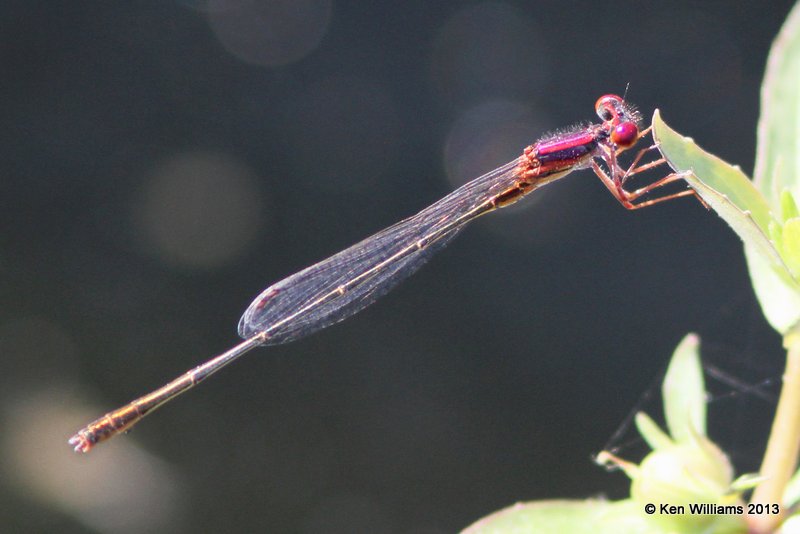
(344, 284)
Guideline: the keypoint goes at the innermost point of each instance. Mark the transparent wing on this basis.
(344, 284)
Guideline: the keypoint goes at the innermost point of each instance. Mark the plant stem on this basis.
(780, 459)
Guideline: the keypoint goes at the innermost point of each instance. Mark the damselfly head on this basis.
(622, 118)
(615, 109)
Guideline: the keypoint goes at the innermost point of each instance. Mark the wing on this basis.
(344, 284)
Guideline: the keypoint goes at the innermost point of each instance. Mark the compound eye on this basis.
(608, 107)
(625, 134)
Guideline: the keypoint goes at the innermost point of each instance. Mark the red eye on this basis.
(625, 134)
(608, 106)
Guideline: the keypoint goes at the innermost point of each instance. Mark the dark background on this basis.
(166, 161)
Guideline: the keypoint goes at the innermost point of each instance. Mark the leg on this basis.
(647, 203)
(633, 195)
(627, 198)
(632, 169)
(614, 179)
(635, 168)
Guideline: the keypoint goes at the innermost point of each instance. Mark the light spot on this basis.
(118, 487)
(270, 33)
(493, 133)
(199, 210)
(487, 136)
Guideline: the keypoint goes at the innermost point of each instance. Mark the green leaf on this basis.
(777, 171)
(788, 206)
(790, 244)
(746, 482)
(684, 392)
(728, 191)
(779, 297)
(650, 431)
(778, 153)
(723, 186)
